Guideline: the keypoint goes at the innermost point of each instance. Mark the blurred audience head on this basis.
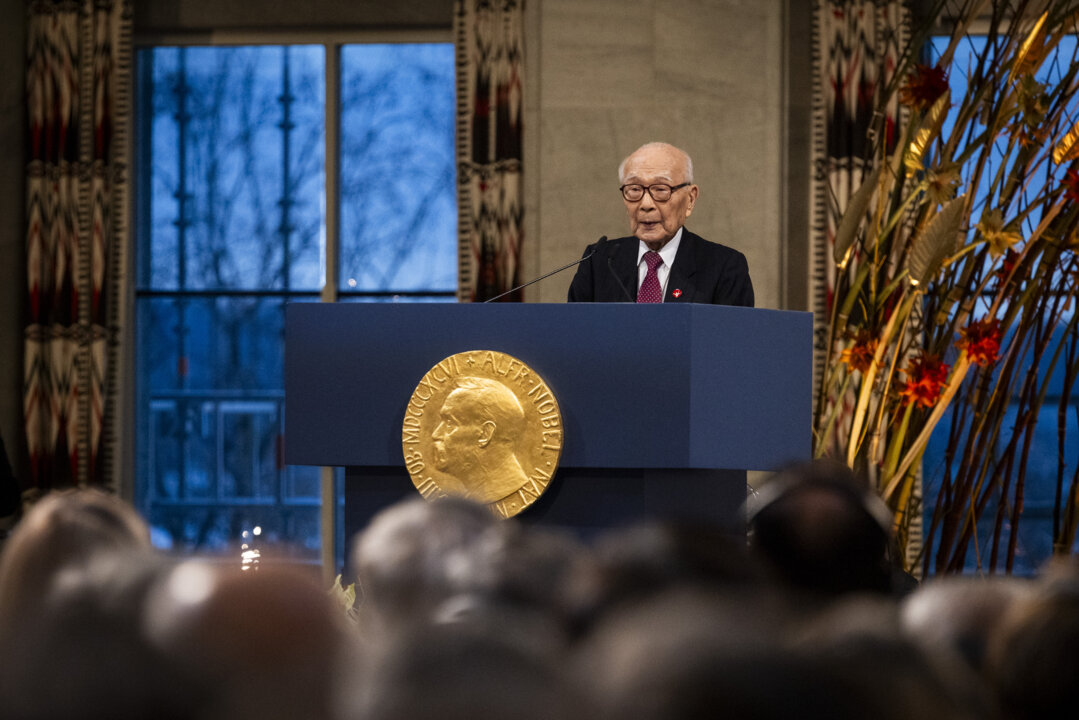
(263, 644)
(1032, 658)
(959, 615)
(464, 671)
(858, 640)
(63, 529)
(641, 561)
(692, 653)
(520, 579)
(466, 616)
(81, 654)
(415, 555)
(821, 530)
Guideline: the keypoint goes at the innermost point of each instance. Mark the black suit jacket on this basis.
(704, 272)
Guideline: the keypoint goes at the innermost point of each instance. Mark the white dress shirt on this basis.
(667, 253)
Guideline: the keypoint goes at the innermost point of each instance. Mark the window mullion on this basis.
(332, 169)
(284, 229)
(332, 115)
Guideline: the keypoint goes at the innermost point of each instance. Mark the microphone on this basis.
(610, 266)
(595, 249)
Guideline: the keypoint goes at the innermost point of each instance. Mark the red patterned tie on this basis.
(650, 291)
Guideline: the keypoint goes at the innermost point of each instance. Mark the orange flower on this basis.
(981, 340)
(923, 87)
(926, 378)
(859, 356)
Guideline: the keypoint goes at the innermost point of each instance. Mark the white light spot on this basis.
(191, 584)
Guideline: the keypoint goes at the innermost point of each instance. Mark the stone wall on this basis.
(607, 76)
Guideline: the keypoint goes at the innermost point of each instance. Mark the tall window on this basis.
(231, 226)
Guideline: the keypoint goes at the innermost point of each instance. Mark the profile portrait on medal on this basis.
(479, 426)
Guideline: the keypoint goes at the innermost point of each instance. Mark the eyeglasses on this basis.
(660, 192)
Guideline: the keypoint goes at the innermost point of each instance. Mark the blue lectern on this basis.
(664, 407)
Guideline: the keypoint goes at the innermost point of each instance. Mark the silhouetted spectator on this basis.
(63, 529)
(685, 654)
(520, 579)
(81, 655)
(415, 555)
(1033, 659)
(635, 563)
(265, 644)
(858, 640)
(961, 614)
(464, 671)
(822, 531)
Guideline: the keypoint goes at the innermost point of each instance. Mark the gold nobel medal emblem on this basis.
(483, 425)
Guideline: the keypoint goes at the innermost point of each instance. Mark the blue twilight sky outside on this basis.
(232, 186)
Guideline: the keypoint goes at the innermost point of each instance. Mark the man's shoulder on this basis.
(700, 245)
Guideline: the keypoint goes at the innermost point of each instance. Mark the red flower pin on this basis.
(677, 293)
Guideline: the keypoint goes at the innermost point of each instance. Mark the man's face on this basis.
(457, 436)
(652, 222)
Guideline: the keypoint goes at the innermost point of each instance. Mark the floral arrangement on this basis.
(953, 313)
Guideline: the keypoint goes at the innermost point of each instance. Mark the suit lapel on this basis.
(685, 265)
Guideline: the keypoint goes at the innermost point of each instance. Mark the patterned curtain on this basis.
(490, 59)
(78, 67)
(856, 50)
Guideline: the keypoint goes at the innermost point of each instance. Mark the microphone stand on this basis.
(553, 272)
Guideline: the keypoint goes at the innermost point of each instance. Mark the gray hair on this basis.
(652, 146)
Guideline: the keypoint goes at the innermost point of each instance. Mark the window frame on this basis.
(138, 218)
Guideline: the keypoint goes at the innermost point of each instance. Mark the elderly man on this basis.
(661, 261)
